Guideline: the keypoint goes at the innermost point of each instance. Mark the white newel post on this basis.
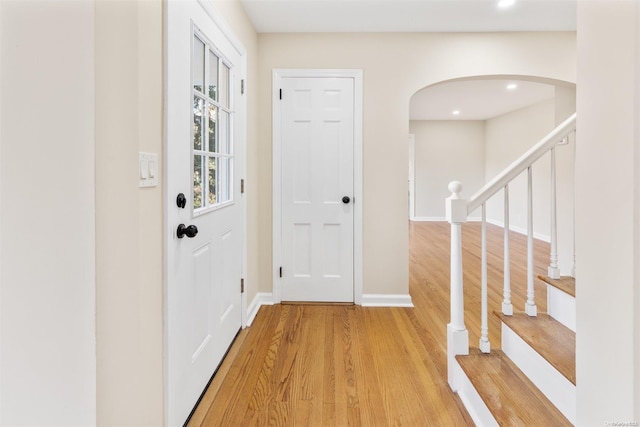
(457, 334)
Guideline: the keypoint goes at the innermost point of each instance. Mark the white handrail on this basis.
(520, 165)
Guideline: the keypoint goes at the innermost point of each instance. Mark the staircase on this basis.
(532, 380)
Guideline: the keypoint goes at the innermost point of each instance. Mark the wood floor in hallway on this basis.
(323, 365)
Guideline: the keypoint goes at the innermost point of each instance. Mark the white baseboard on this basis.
(368, 300)
(428, 218)
(520, 230)
(386, 300)
(558, 389)
(261, 298)
(439, 219)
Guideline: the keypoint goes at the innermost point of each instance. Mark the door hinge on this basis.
(242, 286)
(280, 271)
(242, 186)
(242, 87)
(280, 93)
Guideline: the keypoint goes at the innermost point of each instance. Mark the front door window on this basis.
(212, 143)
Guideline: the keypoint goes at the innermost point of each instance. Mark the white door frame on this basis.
(412, 176)
(357, 76)
(240, 137)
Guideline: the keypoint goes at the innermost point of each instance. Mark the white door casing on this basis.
(204, 308)
(412, 176)
(317, 162)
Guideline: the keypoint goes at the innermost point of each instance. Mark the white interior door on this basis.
(317, 189)
(204, 207)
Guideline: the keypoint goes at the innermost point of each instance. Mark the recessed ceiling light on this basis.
(456, 112)
(512, 86)
(506, 3)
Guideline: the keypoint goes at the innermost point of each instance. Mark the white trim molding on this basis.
(357, 76)
(386, 300)
(441, 219)
(520, 230)
(261, 298)
(412, 175)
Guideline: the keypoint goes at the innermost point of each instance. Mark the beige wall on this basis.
(507, 138)
(565, 105)
(607, 203)
(128, 219)
(445, 151)
(395, 67)
(47, 250)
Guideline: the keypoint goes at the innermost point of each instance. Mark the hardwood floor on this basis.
(311, 365)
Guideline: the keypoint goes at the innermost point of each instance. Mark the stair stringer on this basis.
(473, 403)
(558, 389)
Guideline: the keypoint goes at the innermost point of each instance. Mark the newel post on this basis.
(457, 334)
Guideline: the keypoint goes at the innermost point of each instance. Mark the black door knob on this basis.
(346, 200)
(189, 231)
(181, 200)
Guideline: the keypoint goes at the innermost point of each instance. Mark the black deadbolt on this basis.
(181, 200)
(189, 231)
(346, 199)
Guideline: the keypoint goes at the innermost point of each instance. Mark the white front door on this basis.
(203, 203)
(317, 189)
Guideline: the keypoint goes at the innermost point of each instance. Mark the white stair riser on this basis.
(475, 406)
(562, 307)
(558, 389)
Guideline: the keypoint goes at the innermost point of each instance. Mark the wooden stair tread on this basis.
(566, 284)
(510, 396)
(551, 339)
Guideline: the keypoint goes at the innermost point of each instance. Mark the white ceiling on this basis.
(306, 16)
(476, 99)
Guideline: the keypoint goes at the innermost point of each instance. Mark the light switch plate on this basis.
(148, 165)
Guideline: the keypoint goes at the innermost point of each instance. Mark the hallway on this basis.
(316, 365)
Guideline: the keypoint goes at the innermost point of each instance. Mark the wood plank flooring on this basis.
(312, 365)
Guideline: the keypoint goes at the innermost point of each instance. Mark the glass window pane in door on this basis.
(197, 65)
(224, 86)
(197, 181)
(198, 113)
(224, 179)
(213, 76)
(212, 180)
(223, 132)
(213, 121)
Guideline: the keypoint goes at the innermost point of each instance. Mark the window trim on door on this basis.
(357, 76)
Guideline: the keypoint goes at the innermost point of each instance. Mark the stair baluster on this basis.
(530, 306)
(485, 346)
(554, 270)
(507, 307)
